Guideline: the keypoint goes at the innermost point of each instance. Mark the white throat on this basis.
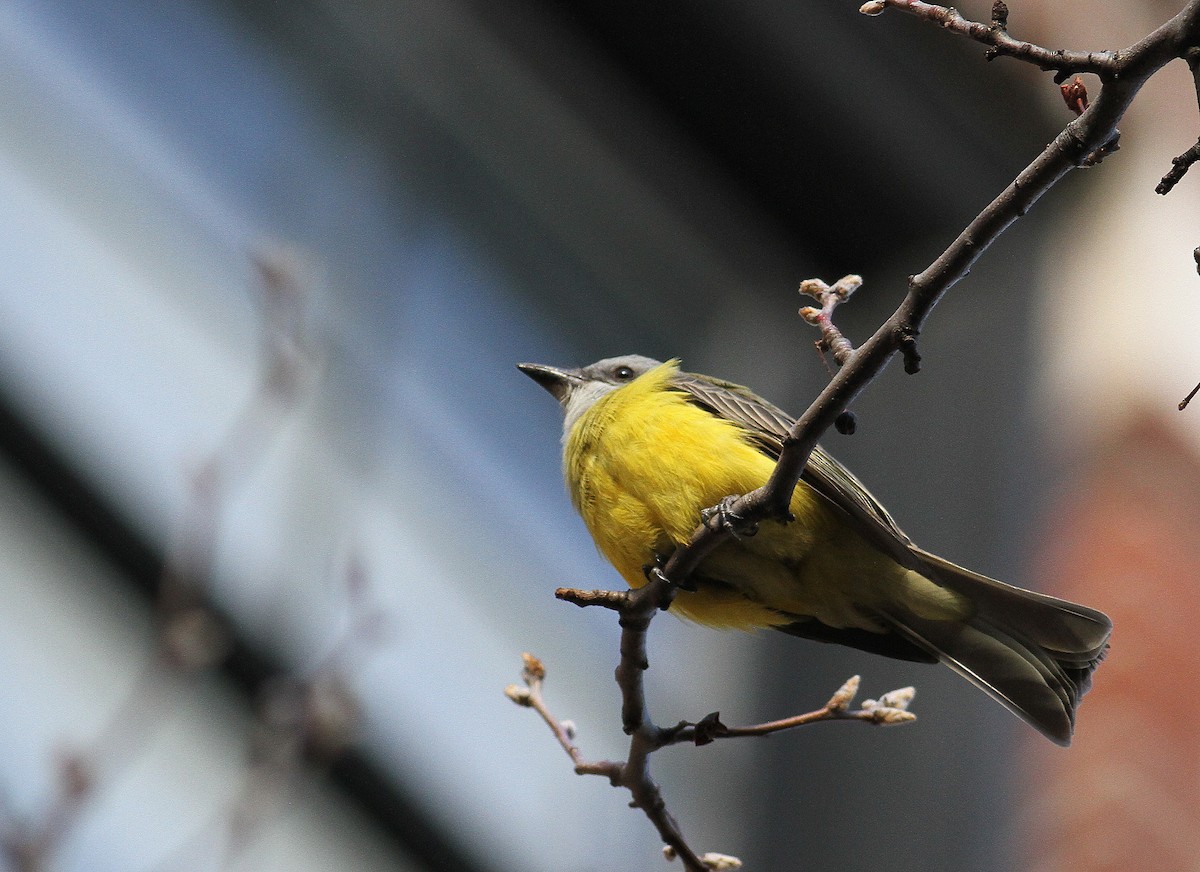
(580, 400)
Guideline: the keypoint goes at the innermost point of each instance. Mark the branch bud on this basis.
(814, 288)
(720, 862)
(898, 699)
(534, 669)
(709, 728)
(847, 285)
(891, 717)
(841, 700)
(519, 695)
(1075, 95)
(1000, 14)
(891, 708)
(873, 7)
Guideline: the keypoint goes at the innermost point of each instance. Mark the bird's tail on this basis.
(1032, 653)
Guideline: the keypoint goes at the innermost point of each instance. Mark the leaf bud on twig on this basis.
(534, 669)
(720, 862)
(845, 694)
(898, 699)
(519, 695)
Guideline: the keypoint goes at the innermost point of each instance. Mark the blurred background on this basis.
(278, 515)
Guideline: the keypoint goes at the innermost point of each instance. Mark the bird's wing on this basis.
(767, 425)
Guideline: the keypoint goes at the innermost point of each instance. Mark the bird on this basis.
(648, 448)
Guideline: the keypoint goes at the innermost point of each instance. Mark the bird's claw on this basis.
(654, 572)
(723, 517)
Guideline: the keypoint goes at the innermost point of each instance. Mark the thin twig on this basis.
(534, 674)
(1183, 404)
(829, 297)
(633, 774)
(890, 709)
(637, 611)
(1179, 167)
(995, 36)
(609, 599)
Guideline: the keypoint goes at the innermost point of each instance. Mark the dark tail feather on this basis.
(1032, 653)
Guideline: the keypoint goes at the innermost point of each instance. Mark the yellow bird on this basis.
(647, 447)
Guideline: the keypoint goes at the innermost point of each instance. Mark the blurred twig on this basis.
(192, 635)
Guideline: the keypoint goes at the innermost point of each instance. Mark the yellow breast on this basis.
(643, 463)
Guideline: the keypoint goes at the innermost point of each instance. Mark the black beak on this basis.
(556, 381)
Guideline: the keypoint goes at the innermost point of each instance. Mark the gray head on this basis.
(578, 389)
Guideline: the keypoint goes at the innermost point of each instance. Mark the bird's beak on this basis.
(557, 381)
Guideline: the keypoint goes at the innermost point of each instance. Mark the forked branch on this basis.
(1180, 165)
(633, 773)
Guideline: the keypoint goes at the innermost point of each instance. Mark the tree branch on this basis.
(995, 35)
(891, 709)
(1180, 165)
(1183, 404)
(634, 773)
(645, 738)
(1079, 144)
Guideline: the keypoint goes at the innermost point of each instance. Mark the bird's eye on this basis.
(623, 373)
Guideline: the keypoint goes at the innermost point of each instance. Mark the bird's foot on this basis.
(723, 517)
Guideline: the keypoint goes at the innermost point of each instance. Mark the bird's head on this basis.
(577, 390)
